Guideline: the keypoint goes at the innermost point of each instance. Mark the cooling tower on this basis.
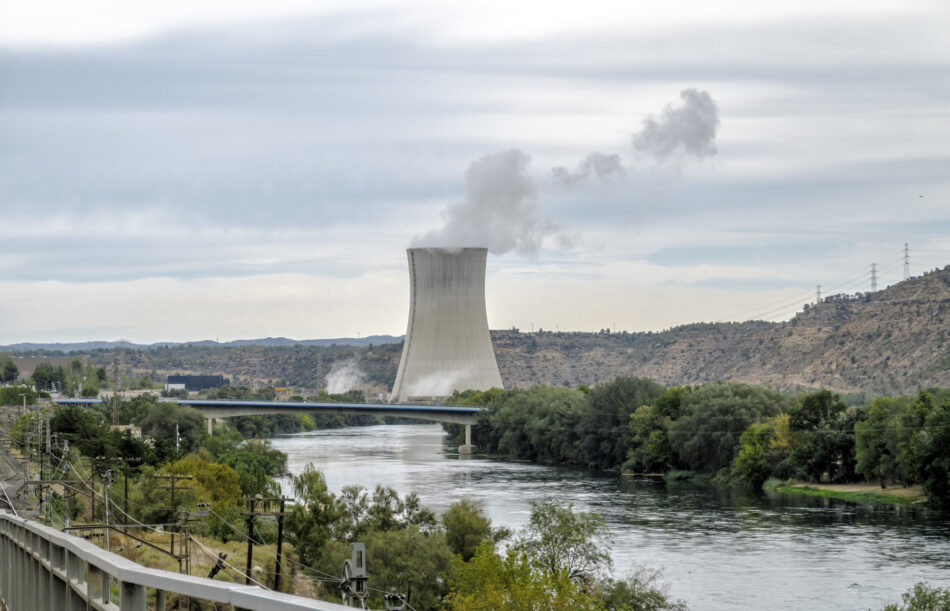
(447, 345)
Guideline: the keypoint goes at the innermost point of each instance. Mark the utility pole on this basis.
(873, 277)
(67, 490)
(174, 480)
(280, 543)
(115, 392)
(906, 261)
(250, 540)
(105, 491)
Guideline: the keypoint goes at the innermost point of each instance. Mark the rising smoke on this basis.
(499, 210)
(344, 376)
(601, 165)
(440, 383)
(690, 128)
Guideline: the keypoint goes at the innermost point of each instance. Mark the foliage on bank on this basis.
(729, 431)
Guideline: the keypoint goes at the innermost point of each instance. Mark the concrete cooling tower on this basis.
(447, 345)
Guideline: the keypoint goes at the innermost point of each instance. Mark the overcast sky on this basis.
(186, 171)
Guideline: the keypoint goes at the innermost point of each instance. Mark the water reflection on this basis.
(720, 548)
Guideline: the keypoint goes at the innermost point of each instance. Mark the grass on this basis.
(863, 494)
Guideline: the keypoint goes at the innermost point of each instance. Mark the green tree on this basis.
(558, 539)
(9, 372)
(642, 590)
(490, 582)
(605, 428)
(466, 528)
(256, 462)
(162, 420)
(922, 597)
(883, 440)
(47, 377)
(814, 408)
(311, 518)
(826, 453)
(714, 416)
(402, 561)
(932, 452)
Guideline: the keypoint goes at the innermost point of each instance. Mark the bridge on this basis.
(229, 408)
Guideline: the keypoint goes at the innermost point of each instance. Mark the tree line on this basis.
(731, 432)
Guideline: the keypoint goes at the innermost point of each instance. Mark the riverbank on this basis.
(858, 493)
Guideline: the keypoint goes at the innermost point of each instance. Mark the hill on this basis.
(893, 341)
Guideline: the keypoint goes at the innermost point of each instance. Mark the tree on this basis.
(558, 539)
(402, 561)
(162, 420)
(466, 528)
(713, 417)
(256, 462)
(882, 440)
(923, 597)
(605, 429)
(752, 463)
(309, 523)
(9, 373)
(814, 408)
(763, 447)
(642, 590)
(932, 452)
(47, 377)
(514, 582)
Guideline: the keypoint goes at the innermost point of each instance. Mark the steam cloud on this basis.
(344, 376)
(603, 166)
(690, 128)
(438, 383)
(499, 210)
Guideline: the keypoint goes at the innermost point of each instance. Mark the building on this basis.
(447, 346)
(189, 382)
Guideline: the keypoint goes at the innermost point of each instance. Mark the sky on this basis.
(175, 171)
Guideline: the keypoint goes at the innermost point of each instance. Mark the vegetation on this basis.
(732, 432)
(922, 597)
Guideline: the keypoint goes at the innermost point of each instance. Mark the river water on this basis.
(718, 549)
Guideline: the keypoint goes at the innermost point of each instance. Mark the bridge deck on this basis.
(224, 408)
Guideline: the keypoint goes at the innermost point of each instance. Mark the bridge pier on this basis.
(468, 449)
(210, 421)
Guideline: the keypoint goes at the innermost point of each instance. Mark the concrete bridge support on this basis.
(468, 449)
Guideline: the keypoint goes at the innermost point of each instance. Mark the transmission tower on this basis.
(906, 261)
(873, 277)
(818, 291)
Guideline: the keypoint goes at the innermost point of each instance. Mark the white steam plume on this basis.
(438, 383)
(603, 166)
(499, 210)
(344, 376)
(690, 128)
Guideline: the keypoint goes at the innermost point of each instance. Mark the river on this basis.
(718, 549)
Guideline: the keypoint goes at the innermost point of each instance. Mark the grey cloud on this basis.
(601, 165)
(690, 128)
(499, 210)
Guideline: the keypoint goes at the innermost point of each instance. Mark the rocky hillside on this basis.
(891, 341)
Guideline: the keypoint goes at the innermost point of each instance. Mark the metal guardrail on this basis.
(43, 568)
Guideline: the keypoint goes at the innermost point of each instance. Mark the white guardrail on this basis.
(42, 568)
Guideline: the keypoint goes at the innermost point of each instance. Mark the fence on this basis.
(42, 568)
